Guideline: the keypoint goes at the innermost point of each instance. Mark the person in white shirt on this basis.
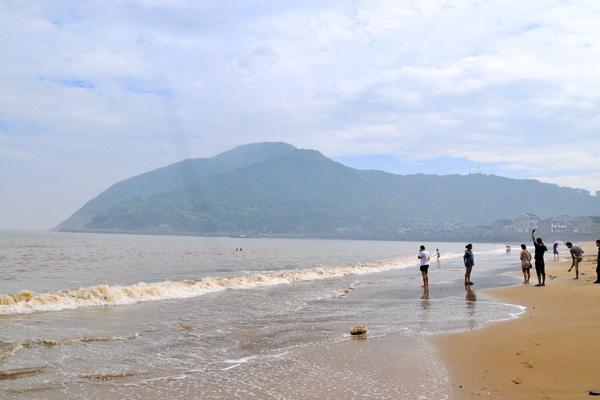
(424, 264)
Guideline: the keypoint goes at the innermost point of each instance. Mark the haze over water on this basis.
(269, 321)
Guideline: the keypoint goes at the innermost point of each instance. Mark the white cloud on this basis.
(506, 81)
(589, 182)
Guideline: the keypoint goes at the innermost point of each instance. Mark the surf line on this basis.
(27, 302)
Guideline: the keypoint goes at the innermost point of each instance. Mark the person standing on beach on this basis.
(555, 251)
(424, 264)
(525, 263)
(469, 261)
(576, 256)
(437, 253)
(598, 263)
(540, 265)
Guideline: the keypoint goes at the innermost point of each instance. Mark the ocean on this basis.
(92, 316)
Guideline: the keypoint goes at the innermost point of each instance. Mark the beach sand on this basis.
(550, 352)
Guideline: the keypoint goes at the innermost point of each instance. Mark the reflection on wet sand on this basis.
(425, 295)
(471, 298)
(425, 304)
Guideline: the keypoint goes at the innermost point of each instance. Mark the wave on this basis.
(9, 350)
(345, 291)
(76, 340)
(108, 377)
(27, 302)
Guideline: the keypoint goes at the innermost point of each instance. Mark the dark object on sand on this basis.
(358, 330)
(594, 392)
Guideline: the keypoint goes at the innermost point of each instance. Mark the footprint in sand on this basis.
(517, 381)
(526, 364)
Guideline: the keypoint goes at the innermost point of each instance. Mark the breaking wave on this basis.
(27, 302)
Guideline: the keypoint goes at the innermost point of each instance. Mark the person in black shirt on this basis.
(540, 266)
(598, 263)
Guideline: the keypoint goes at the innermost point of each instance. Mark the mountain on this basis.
(175, 177)
(278, 189)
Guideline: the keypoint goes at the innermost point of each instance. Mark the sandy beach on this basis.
(551, 352)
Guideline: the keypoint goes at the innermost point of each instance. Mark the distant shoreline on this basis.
(289, 236)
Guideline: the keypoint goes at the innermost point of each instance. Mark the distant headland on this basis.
(276, 189)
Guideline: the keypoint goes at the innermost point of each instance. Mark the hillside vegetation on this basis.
(277, 189)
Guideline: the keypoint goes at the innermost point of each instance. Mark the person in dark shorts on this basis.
(576, 256)
(525, 264)
(555, 251)
(424, 264)
(469, 261)
(598, 263)
(540, 266)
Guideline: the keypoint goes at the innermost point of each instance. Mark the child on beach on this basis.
(469, 261)
(555, 251)
(424, 264)
(576, 256)
(525, 263)
(540, 265)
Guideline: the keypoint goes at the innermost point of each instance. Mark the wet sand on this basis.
(551, 352)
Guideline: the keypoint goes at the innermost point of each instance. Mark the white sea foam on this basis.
(242, 360)
(239, 361)
(76, 340)
(27, 302)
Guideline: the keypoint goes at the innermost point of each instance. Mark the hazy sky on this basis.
(94, 92)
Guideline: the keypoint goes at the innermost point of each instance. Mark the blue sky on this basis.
(94, 92)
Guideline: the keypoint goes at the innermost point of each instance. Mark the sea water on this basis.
(87, 316)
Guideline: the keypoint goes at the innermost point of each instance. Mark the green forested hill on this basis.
(274, 188)
(175, 177)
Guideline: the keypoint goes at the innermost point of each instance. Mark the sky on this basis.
(93, 92)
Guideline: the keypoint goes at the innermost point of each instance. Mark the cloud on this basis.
(145, 83)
